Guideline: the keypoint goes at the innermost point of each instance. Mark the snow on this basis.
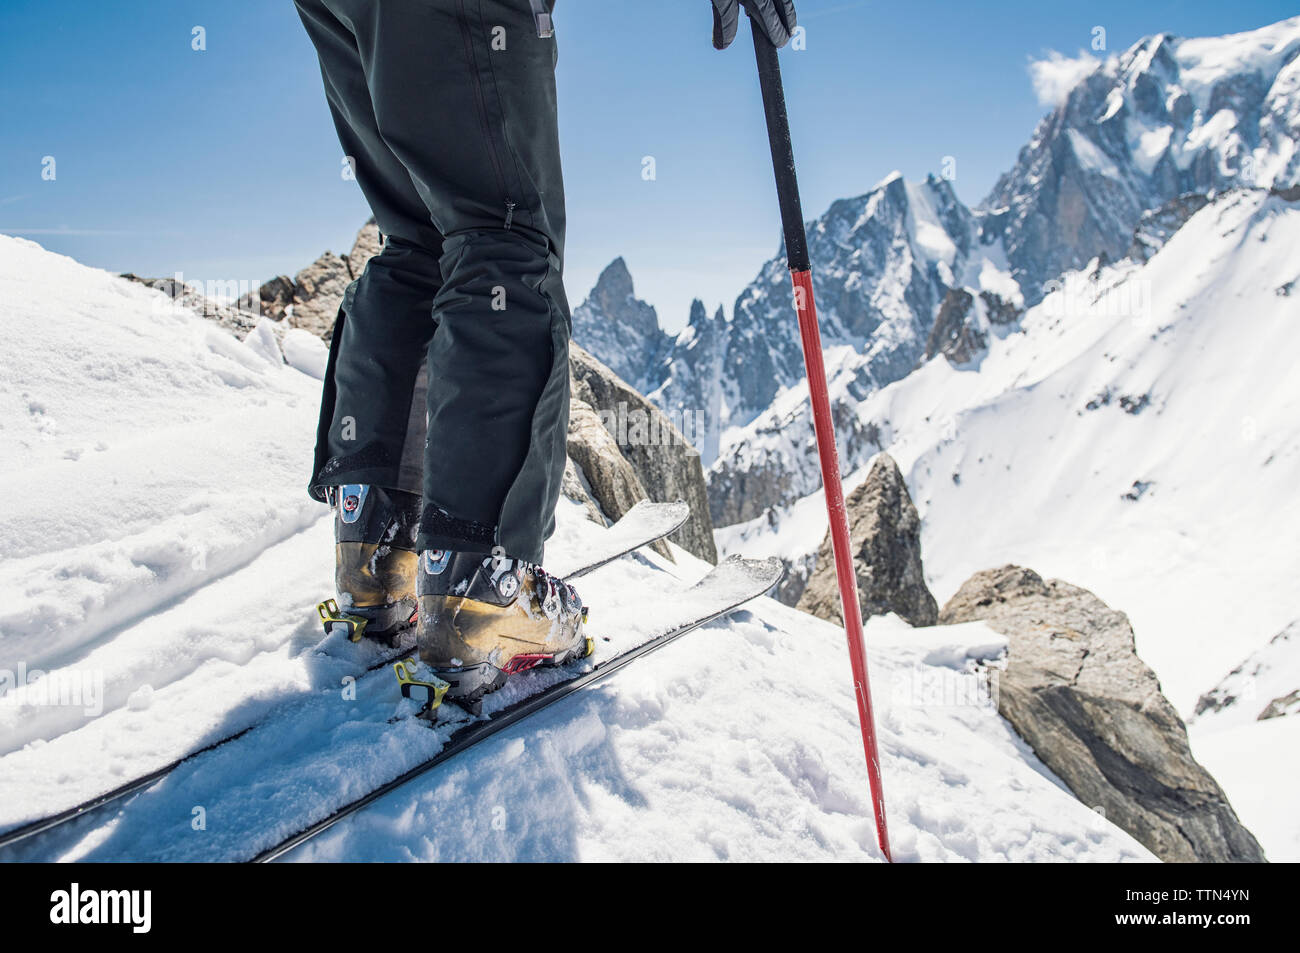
(1256, 764)
(305, 352)
(1270, 673)
(149, 452)
(1090, 155)
(1204, 562)
(160, 542)
(1203, 61)
(925, 228)
(1147, 144)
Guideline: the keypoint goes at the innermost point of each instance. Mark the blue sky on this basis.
(223, 164)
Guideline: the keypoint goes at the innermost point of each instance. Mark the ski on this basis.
(644, 524)
(728, 587)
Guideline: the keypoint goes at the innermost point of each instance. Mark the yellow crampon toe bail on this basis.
(330, 617)
(428, 693)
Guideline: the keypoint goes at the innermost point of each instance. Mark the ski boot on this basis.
(483, 619)
(375, 563)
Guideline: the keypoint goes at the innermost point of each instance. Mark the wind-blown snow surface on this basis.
(1138, 436)
(739, 742)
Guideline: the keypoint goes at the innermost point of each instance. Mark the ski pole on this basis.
(796, 252)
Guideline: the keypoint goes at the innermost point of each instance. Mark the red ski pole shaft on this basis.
(796, 251)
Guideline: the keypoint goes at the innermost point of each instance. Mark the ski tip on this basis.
(677, 512)
(757, 575)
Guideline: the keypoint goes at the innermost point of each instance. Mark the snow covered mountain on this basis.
(1166, 117)
(1159, 126)
(884, 262)
(161, 556)
(1138, 433)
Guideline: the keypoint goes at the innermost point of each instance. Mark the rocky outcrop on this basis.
(368, 243)
(886, 536)
(317, 293)
(235, 319)
(954, 335)
(1076, 691)
(965, 321)
(664, 462)
(273, 297)
(1281, 707)
(612, 481)
(1158, 225)
(575, 487)
(311, 299)
(1265, 685)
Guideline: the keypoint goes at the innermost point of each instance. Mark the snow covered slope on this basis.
(148, 453)
(740, 742)
(1138, 436)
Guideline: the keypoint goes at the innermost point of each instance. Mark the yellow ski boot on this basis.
(485, 618)
(375, 563)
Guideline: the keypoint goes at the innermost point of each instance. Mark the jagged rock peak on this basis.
(886, 536)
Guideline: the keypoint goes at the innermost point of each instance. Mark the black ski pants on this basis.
(448, 370)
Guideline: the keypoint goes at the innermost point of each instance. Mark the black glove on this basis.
(775, 17)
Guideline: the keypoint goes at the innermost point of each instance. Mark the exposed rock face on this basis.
(695, 373)
(664, 462)
(612, 481)
(273, 297)
(953, 335)
(1265, 685)
(575, 487)
(886, 536)
(368, 243)
(235, 319)
(877, 285)
(1166, 117)
(965, 321)
(1158, 225)
(621, 329)
(999, 311)
(316, 292)
(1281, 707)
(1092, 711)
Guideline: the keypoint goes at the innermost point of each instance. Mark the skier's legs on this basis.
(372, 428)
(463, 93)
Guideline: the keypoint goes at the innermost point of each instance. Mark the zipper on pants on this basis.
(481, 102)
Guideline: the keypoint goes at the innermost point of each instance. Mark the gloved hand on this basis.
(775, 17)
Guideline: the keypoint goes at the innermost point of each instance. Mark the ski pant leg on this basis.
(372, 422)
(463, 93)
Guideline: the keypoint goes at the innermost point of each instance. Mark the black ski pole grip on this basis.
(778, 137)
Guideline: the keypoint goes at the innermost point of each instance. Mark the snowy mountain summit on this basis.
(1166, 117)
(1134, 132)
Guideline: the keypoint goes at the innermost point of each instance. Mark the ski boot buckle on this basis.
(330, 616)
(429, 693)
